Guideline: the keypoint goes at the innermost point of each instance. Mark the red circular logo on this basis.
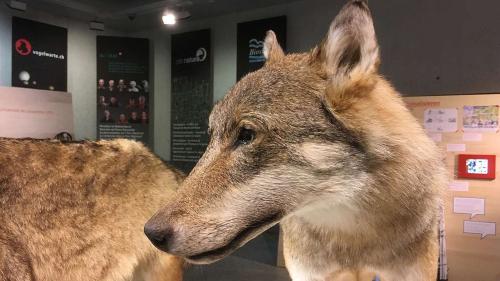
(23, 47)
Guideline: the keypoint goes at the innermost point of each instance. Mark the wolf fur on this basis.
(320, 142)
(75, 211)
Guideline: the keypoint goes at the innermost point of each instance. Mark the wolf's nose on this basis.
(159, 236)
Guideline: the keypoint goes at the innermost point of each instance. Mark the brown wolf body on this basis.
(75, 211)
(320, 142)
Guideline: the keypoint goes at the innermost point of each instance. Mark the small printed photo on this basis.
(142, 103)
(134, 118)
(102, 101)
(111, 85)
(121, 85)
(133, 87)
(113, 102)
(101, 85)
(107, 117)
(481, 118)
(122, 119)
(131, 103)
(477, 166)
(145, 86)
(144, 117)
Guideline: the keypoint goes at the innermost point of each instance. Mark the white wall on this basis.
(81, 63)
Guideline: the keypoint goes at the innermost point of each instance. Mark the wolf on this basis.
(75, 211)
(321, 143)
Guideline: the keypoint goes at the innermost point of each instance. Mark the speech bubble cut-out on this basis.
(471, 206)
(478, 227)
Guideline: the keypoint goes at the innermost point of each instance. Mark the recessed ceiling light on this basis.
(169, 19)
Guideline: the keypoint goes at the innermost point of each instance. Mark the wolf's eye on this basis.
(245, 136)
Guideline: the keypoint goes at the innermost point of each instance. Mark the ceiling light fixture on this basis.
(169, 18)
(16, 5)
(96, 25)
(172, 16)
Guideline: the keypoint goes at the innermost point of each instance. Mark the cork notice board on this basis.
(471, 206)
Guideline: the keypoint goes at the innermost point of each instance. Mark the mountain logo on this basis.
(255, 51)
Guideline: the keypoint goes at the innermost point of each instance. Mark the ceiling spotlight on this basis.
(169, 19)
(96, 25)
(16, 5)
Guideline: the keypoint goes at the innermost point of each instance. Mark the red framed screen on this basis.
(474, 166)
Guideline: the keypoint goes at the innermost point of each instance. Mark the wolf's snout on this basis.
(158, 235)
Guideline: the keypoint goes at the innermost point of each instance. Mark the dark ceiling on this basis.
(116, 14)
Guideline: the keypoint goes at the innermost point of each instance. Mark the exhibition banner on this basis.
(192, 97)
(250, 42)
(39, 55)
(29, 113)
(122, 87)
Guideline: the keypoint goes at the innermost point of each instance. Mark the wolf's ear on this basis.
(272, 49)
(350, 47)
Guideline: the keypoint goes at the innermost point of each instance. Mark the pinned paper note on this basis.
(459, 186)
(471, 206)
(440, 120)
(455, 147)
(481, 118)
(478, 227)
(472, 137)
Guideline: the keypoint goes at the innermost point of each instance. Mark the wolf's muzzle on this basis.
(157, 235)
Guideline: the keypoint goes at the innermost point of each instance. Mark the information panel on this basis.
(192, 97)
(123, 94)
(39, 55)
